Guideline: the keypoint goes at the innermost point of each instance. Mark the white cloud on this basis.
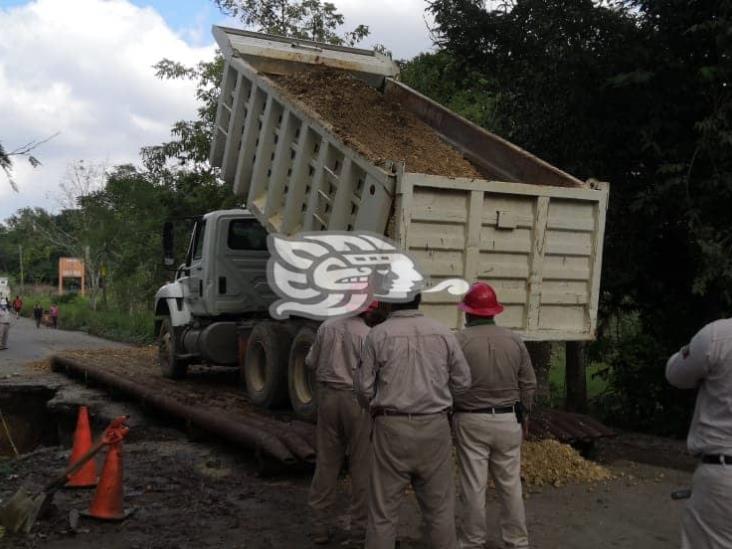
(84, 68)
(399, 25)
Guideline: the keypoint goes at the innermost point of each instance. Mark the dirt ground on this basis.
(378, 127)
(194, 492)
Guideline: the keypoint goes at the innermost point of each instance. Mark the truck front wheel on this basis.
(265, 370)
(301, 380)
(170, 365)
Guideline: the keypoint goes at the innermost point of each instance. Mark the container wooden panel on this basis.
(539, 246)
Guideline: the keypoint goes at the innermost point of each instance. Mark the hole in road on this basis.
(29, 422)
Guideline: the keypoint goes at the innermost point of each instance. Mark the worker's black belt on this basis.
(716, 459)
(384, 412)
(494, 410)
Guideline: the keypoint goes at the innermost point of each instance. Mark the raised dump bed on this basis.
(308, 149)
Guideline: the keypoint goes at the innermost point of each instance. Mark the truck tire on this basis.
(170, 365)
(265, 370)
(300, 379)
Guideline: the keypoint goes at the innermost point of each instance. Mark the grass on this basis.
(596, 384)
(75, 313)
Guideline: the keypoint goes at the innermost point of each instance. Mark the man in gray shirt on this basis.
(410, 369)
(487, 433)
(343, 425)
(706, 364)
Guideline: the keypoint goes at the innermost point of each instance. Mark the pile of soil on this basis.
(549, 462)
(376, 126)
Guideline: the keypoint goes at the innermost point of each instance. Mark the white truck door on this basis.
(240, 278)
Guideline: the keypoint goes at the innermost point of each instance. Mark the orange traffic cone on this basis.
(85, 477)
(107, 502)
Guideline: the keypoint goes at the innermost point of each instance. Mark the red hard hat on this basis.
(481, 300)
(372, 306)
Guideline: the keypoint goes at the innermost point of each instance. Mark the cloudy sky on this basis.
(84, 68)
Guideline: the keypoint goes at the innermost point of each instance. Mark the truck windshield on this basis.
(247, 234)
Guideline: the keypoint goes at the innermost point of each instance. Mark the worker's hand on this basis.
(525, 428)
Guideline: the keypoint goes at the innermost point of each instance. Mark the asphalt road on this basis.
(26, 343)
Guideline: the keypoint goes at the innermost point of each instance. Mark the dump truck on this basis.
(503, 216)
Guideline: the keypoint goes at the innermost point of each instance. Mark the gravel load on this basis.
(376, 126)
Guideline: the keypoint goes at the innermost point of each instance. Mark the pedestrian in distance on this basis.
(17, 306)
(38, 314)
(4, 326)
(343, 426)
(490, 421)
(410, 369)
(53, 312)
(705, 364)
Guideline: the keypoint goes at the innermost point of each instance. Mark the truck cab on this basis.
(223, 278)
(215, 312)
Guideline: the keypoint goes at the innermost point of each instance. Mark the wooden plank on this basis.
(564, 298)
(216, 154)
(571, 249)
(472, 241)
(340, 212)
(280, 164)
(566, 274)
(299, 179)
(233, 143)
(375, 209)
(505, 245)
(503, 271)
(435, 215)
(403, 208)
(537, 263)
(245, 163)
(263, 161)
(311, 219)
(453, 183)
(427, 241)
(573, 224)
(598, 242)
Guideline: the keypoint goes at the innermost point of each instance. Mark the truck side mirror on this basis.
(168, 247)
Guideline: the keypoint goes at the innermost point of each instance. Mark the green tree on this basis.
(439, 76)
(636, 93)
(307, 19)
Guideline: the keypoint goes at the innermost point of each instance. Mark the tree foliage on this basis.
(25, 151)
(636, 93)
(306, 19)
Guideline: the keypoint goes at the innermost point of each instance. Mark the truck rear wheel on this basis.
(265, 370)
(300, 379)
(171, 366)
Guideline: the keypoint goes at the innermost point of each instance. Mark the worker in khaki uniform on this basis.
(343, 425)
(488, 434)
(410, 369)
(706, 364)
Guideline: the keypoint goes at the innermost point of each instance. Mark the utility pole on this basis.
(22, 278)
